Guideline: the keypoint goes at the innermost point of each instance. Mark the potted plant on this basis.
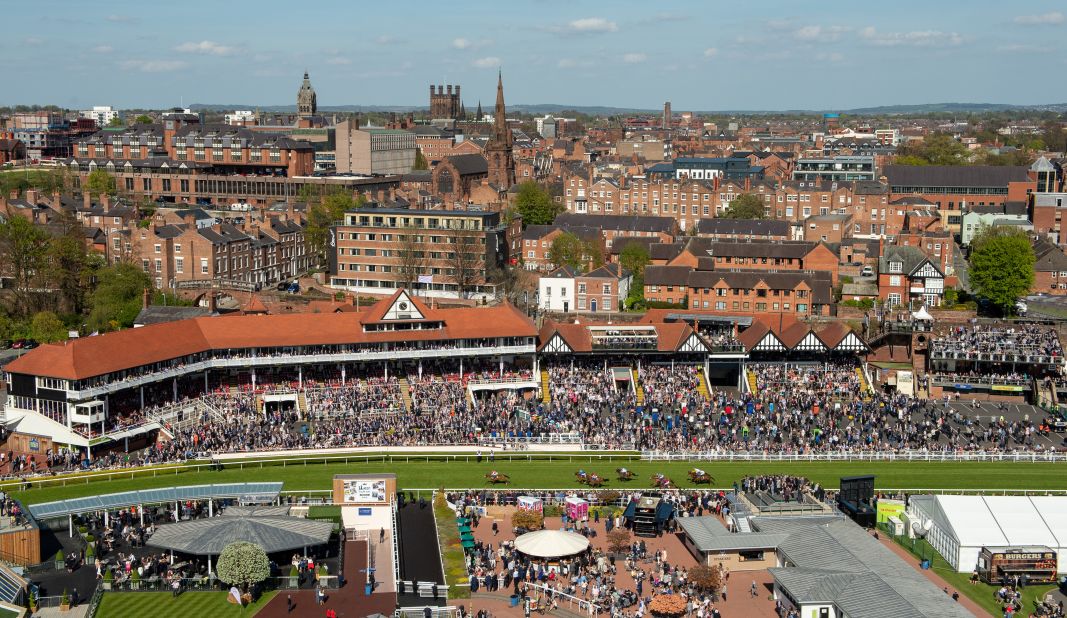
(109, 579)
(64, 601)
(60, 560)
(33, 603)
(294, 577)
(321, 571)
(135, 580)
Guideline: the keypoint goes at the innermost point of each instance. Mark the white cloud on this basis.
(1044, 19)
(103, 49)
(462, 43)
(154, 66)
(915, 38)
(338, 61)
(489, 62)
(205, 47)
(711, 52)
(121, 19)
(587, 25)
(32, 40)
(820, 33)
(1018, 48)
(634, 58)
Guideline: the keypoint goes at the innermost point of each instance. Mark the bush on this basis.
(531, 520)
(60, 557)
(609, 497)
(65, 599)
(866, 304)
(845, 279)
(109, 576)
(553, 510)
(293, 571)
(618, 540)
(659, 304)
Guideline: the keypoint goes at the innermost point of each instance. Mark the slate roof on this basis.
(743, 227)
(911, 257)
(955, 175)
(667, 275)
(158, 314)
(1050, 258)
(468, 164)
(709, 535)
(783, 249)
(210, 536)
(629, 223)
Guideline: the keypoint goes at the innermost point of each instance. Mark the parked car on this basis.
(867, 272)
(30, 344)
(294, 288)
(283, 286)
(18, 344)
(1056, 423)
(5, 344)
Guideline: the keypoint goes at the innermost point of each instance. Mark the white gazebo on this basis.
(922, 315)
(551, 544)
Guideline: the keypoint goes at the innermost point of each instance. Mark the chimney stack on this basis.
(146, 299)
(105, 199)
(32, 196)
(87, 200)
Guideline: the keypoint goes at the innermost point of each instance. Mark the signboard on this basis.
(364, 511)
(905, 383)
(35, 444)
(1006, 388)
(889, 508)
(364, 491)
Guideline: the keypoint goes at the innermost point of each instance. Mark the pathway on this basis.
(932, 575)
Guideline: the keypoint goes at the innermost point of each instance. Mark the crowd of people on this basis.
(1012, 341)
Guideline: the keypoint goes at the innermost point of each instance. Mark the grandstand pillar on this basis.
(142, 398)
(253, 379)
(174, 386)
(205, 382)
(342, 375)
(140, 511)
(461, 369)
(210, 507)
(300, 376)
(420, 368)
(70, 524)
(106, 524)
(501, 367)
(386, 364)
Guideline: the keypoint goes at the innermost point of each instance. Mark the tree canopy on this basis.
(324, 213)
(1001, 265)
(420, 161)
(116, 122)
(534, 203)
(46, 327)
(118, 297)
(243, 564)
(937, 149)
(569, 250)
(100, 182)
(634, 257)
(143, 119)
(744, 206)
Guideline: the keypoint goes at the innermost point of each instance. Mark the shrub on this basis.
(293, 571)
(866, 304)
(618, 540)
(109, 576)
(609, 497)
(531, 520)
(65, 599)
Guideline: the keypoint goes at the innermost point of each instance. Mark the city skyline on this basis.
(771, 57)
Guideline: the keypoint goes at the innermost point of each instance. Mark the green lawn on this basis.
(163, 605)
(420, 472)
(980, 593)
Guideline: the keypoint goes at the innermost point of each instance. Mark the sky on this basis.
(701, 55)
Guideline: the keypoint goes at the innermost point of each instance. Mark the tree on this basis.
(46, 327)
(100, 182)
(116, 122)
(327, 212)
(118, 296)
(634, 257)
(143, 119)
(420, 161)
(535, 204)
(23, 260)
(618, 540)
(936, 149)
(706, 578)
(463, 255)
(243, 564)
(531, 520)
(411, 257)
(70, 263)
(566, 250)
(744, 206)
(1001, 265)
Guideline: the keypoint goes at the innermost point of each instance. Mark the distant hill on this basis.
(599, 110)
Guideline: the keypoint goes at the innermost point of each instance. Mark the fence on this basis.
(562, 597)
(903, 456)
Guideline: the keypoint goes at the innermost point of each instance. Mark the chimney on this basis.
(211, 306)
(146, 299)
(87, 200)
(105, 200)
(32, 196)
(14, 194)
(57, 201)
(189, 218)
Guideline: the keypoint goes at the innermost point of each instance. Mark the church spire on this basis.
(478, 114)
(498, 150)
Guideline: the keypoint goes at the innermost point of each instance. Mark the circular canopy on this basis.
(551, 543)
(208, 537)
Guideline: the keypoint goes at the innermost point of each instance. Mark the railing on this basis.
(396, 545)
(1040, 358)
(586, 606)
(556, 438)
(94, 602)
(735, 348)
(1030, 456)
(624, 345)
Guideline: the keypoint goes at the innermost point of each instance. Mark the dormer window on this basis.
(896, 267)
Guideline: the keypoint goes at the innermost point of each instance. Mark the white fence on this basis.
(1022, 456)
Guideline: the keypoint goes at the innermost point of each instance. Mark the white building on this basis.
(962, 525)
(555, 291)
(102, 114)
(241, 117)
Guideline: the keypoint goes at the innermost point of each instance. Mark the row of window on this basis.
(760, 307)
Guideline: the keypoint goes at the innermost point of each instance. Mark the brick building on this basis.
(614, 226)
(566, 289)
(762, 255)
(741, 293)
(373, 151)
(906, 276)
(744, 229)
(537, 242)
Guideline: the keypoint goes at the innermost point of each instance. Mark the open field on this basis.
(163, 605)
(428, 472)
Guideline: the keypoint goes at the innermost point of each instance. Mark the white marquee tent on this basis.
(963, 525)
(551, 543)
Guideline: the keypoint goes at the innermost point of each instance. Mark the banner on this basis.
(888, 508)
(1006, 388)
(905, 383)
(364, 491)
(425, 278)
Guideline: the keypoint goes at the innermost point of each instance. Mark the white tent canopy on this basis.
(551, 543)
(922, 314)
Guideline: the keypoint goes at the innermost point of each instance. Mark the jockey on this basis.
(623, 471)
(698, 472)
(494, 474)
(581, 473)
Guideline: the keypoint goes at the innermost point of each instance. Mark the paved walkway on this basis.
(53, 612)
(932, 575)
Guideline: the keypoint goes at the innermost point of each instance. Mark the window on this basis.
(203, 266)
(581, 288)
(179, 265)
(158, 248)
(802, 308)
(159, 265)
(894, 299)
(605, 289)
(896, 267)
(720, 305)
(894, 280)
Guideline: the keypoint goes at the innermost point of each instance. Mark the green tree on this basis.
(143, 119)
(23, 260)
(535, 204)
(566, 250)
(70, 263)
(744, 206)
(1001, 265)
(46, 327)
(243, 564)
(117, 299)
(327, 212)
(634, 257)
(100, 182)
(116, 122)
(420, 161)
(936, 149)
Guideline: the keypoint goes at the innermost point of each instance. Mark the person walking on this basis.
(289, 604)
(381, 536)
(753, 592)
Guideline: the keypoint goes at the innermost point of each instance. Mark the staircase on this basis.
(702, 384)
(405, 393)
(546, 392)
(864, 386)
(639, 391)
(302, 404)
(260, 404)
(750, 379)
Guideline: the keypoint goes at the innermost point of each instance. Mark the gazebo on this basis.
(551, 544)
(208, 537)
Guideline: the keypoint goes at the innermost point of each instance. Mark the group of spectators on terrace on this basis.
(1012, 341)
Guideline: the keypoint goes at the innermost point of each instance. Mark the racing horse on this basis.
(495, 477)
(698, 476)
(660, 481)
(624, 474)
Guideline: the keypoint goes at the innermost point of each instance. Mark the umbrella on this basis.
(551, 543)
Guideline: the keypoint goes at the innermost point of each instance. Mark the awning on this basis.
(165, 495)
(922, 314)
(551, 543)
(208, 537)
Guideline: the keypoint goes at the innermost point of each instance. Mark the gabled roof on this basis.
(743, 227)
(629, 223)
(667, 275)
(400, 307)
(468, 164)
(608, 271)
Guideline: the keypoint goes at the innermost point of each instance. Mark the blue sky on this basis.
(710, 55)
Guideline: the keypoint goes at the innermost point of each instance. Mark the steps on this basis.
(864, 386)
(546, 392)
(405, 393)
(702, 384)
(750, 380)
(639, 391)
(302, 404)
(260, 404)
